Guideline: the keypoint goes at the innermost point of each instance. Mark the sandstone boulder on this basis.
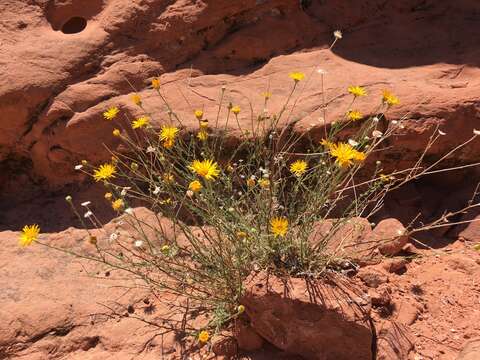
(309, 319)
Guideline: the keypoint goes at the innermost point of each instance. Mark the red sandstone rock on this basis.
(247, 337)
(471, 351)
(390, 236)
(312, 320)
(344, 238)
(59, 76)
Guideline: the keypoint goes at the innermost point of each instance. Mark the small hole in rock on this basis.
(74, 25)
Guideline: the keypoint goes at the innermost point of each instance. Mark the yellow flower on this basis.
(195, 186)
(116, 132)
(208, 169)
(236, 109)
(354, 115)
(279, 226)
(108, 195)
(202, 135)
(168, 178)
(250, 182)
(264, 183)
(357, 91)
(198, 114)
(104, 172)
(267, 94)
(29, 234)
(118, 204)
(203, 124)
(137, 100)
(167, 201)
(156, 83)
(140, 122)
(165, 249)
(241, 234)
(296, 76)
(476, 247)
(326, 143)
(346, 154)
(111, 113)
(241, 309)
(167, 135)
(203, 336)
(389, 99)
(299, 167)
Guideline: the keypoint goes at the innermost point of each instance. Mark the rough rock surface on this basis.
(313, 320)
(63, 63)
(58, 77)
(471, 351)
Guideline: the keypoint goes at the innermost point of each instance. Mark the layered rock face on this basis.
(64, 62)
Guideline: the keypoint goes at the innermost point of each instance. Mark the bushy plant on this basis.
(239, 200)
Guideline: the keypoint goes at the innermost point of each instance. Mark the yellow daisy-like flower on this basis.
(105, 172)
(111, 113)
(116, 132)
(168, 178)
(118, 205)
(166, 201)
(167, 135)
(389, 99)
(241, 309)
(156, 83)
(140, 122)
(203, 336)
(345, 154)
(137, 100)
(357, 91)
(198, 114)
(208, 169)
(241, 235)
(250, 182)
(203, 124)
(299, 167)
(29, 234)
(326, 143)
(279, 226)
(195, 186)
(354, 115)
(202, 135)
(267, 94)
(264, 183)
(296, 76)
(236, 109)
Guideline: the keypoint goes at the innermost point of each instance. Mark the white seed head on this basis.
(86, 203)
(87, 214)
(377, 134)
(352, 142)
(337, 34)
(476, 132)
(78, 167)
(138, 243)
